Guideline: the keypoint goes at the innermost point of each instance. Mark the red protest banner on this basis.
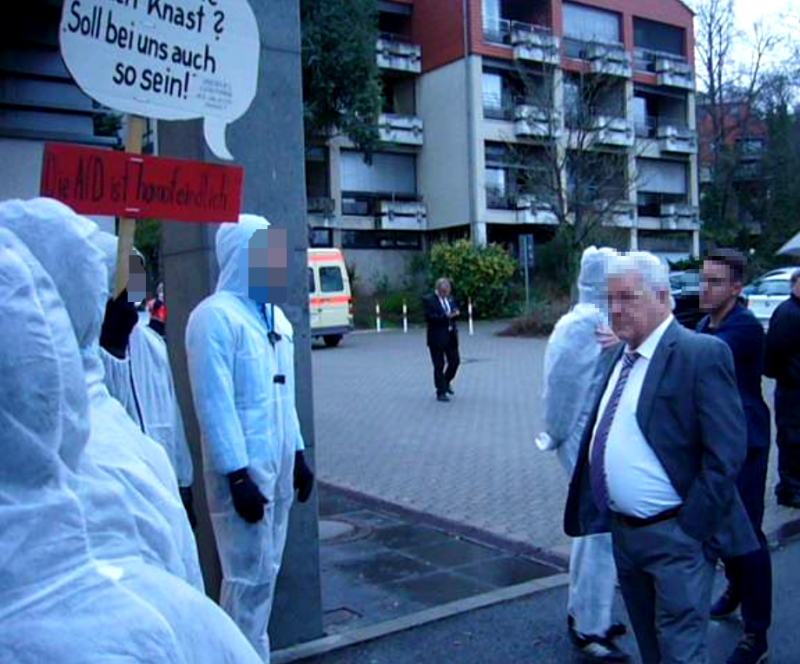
(103, 182)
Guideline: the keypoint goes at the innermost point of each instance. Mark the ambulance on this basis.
(330, 300)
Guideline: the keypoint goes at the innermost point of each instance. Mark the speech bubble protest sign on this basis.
(165, 59)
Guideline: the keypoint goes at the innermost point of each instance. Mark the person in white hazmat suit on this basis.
(138, 375)
(62, 242)
(571, 358)
(240, 351)
(203, 632)
(57, 604)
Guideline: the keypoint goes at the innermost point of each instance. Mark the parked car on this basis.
(685, 290)
(768, 291)
(330, 299)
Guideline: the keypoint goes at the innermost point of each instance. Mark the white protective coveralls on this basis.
(62, 242)
(143, 383)
(204, 633)
(569, 384)
(247, 421)
(57, 604)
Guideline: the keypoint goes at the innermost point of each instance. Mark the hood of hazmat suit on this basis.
(571, 358)
(243, 388)
(62, 242)
(57, 603)
(143, 383)
(203, 632)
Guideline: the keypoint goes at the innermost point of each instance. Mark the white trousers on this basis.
(592, 571)
(250, 604)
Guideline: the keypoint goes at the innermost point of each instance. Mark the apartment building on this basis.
(473, 84)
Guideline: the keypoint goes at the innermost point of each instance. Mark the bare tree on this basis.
(733, 66)
(572, 158)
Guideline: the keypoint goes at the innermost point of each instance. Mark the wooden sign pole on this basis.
(127, 226)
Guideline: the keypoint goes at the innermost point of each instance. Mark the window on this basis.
(492, 92)
(381, 240)
(664, 177)
(330, 280)
(588, 24)
(387, 174)
(312, 286)
(774, 287)
(320, 237)
(654, 36)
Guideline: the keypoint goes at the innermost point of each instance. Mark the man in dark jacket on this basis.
(749, 576)
(782, 362)
(441, 312)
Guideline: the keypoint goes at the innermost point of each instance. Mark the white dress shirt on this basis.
(638, 485)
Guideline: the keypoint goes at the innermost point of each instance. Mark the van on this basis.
(330, 300)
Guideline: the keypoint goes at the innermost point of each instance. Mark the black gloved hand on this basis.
(247, 498)
(187, 498)
(303, 477)
(121, 318)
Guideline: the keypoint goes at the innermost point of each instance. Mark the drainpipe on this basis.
(473, 213)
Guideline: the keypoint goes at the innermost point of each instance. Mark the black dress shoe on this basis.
(449, 390)
(442, 397)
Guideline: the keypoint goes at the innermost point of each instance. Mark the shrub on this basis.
(540, 322)
(481, 273)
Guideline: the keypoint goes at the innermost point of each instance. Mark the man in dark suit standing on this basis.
(441, 312)
(658, 464)
(750, 576)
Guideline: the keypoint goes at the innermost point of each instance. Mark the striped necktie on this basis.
(597, 470)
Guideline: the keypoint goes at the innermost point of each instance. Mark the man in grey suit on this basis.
(658, 464)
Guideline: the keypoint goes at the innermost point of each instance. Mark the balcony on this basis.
(612, 131)
(400, 129)
(621, 214)
(674, 73)
(320, 207)
(679, 217)
(609, 59)
(533, 209)
(401, 215)
(532, 121)
(534, 43)
(676, 138)
(398, 55)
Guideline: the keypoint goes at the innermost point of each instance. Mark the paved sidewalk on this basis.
(471, 463)
(531, 630)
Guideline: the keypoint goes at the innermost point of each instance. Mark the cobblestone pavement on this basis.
(380, 432)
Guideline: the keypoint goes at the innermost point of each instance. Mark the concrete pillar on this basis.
(268, 142)
(696, 244)
(634, 239)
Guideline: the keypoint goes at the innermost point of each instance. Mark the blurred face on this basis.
(137, 280)
(718, 290)
(636, 311)
(267, 272)
(443, 289)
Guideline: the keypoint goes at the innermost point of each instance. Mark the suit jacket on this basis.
(438, 321)
(745, 337)
(691, 414)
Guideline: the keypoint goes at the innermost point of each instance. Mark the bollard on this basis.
(378, 317)
(405, 318)
(469, 311)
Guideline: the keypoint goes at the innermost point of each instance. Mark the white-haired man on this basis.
(441, 312)
(658, 464)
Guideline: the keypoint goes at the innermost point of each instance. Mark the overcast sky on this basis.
(749, 11)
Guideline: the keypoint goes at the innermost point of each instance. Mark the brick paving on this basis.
(380, 432)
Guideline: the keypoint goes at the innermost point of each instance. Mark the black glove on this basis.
(303, 477)
(121, 318)
(247, 499)
(188, 504)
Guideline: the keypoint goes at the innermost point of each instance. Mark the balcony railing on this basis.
(674, 137)
(320, 206)
(401, 215)
(533, 121)
(609, 59)
(612, 130)
(400, 129)
(504, 31)
(672, 70)
(535, 43)
(394, 52)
